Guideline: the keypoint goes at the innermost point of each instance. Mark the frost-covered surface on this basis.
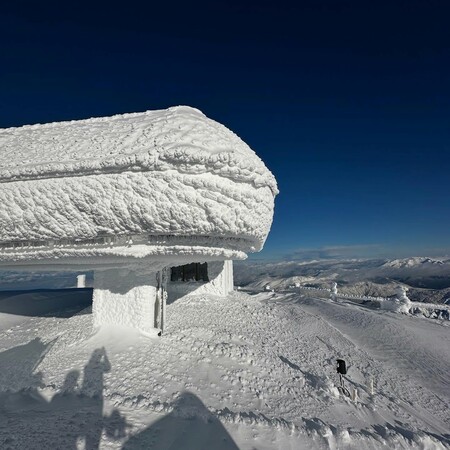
(220, 275)
(123, 297)
(149, 256)
(400, 303)
(249, 372)
(179, 138)
(172, 173)
(128, 298)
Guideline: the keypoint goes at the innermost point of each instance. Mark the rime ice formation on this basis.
(121, 297)
(398, 303)
(403, 299)
(135, 192)
(158, 178)
(334, 291)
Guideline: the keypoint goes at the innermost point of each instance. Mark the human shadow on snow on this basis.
(72, 418)
(190, 426)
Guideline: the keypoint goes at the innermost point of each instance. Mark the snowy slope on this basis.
(245, 372)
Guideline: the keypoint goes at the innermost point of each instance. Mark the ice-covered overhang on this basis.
(159, 185)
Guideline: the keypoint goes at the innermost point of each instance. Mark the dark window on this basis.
(190, 272)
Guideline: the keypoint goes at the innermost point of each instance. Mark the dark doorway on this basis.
(190, 272)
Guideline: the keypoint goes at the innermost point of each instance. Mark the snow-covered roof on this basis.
(141, 184)
(180, 138)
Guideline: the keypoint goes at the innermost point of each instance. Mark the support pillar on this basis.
(81, 281)
(220, 274)
(161, 298)
(125, 297)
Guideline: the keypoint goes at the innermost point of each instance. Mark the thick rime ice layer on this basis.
(172, 172)
(134, 203)
(121, 297)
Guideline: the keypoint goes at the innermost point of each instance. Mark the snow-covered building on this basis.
(129, 197)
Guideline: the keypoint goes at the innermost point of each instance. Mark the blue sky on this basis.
(347, 102)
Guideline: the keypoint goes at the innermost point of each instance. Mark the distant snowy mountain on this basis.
(413, 262)
(428, 279)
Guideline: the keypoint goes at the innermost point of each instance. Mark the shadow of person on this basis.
(61, 417)
(115, 425)
(68, 389)
(190, 426)
(80, 421)
(93, 384)
(94, 371)
(73, 415)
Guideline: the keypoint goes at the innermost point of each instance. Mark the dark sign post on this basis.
(341, 366)
(341, 369)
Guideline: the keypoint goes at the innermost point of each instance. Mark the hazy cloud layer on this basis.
(339, 252)
(360, 251)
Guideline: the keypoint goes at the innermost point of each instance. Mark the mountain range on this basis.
(427, 279)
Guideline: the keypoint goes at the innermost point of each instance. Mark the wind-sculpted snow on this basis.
(172, 172)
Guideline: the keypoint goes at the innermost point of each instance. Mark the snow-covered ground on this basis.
(246, 372)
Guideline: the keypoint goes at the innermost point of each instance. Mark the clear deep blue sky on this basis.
(347, 102)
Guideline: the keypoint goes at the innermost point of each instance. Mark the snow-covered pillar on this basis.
(400, 293)
(334, 290)
(228, 282)
(125, 297)
(403, 299)
(161, 298)
(81, 281)
(220, 274)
